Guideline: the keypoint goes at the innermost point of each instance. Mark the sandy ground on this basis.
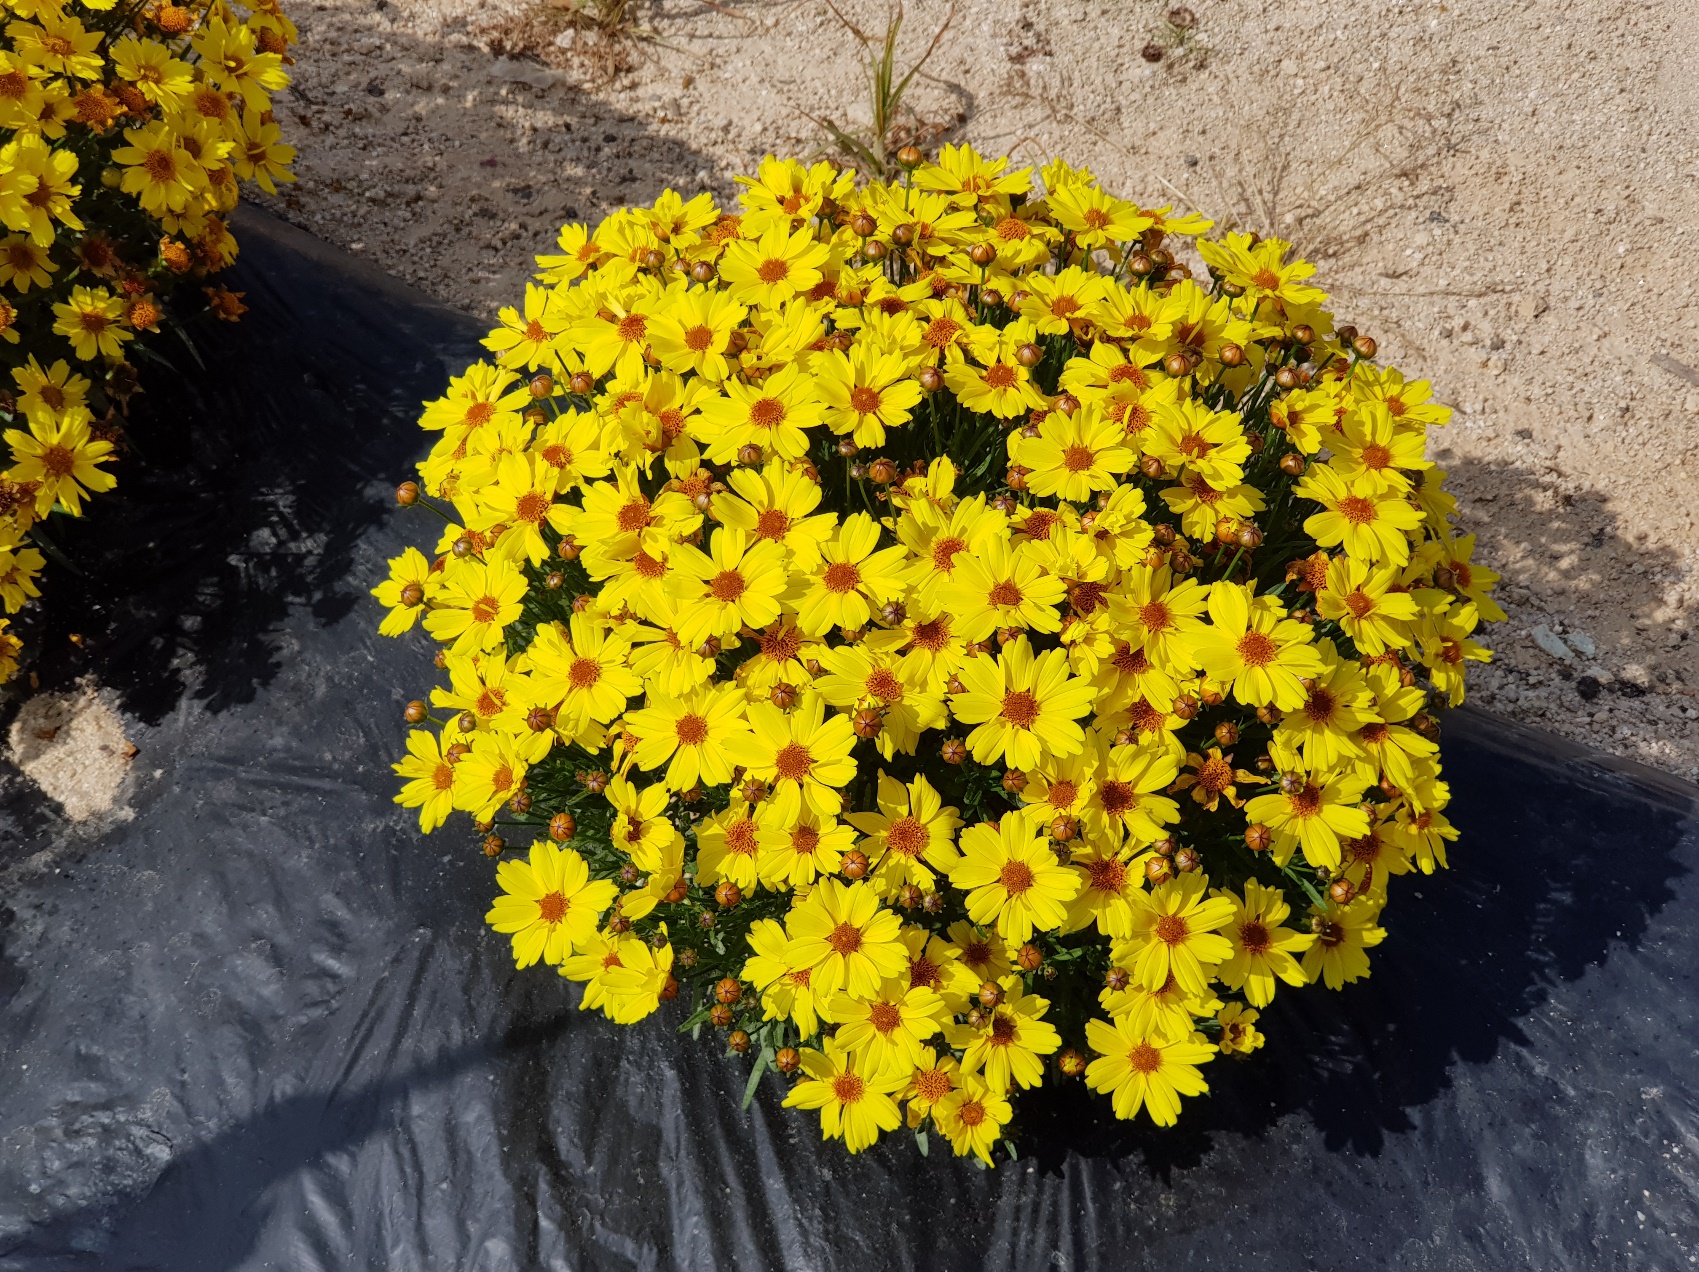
(1505, 192)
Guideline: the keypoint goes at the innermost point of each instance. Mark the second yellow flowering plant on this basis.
(935, 637)
(125, 131)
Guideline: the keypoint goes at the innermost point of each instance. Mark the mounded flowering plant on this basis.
(925, 635)
(125, 132)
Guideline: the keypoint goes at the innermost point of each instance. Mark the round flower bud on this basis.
(1250, 537)
(853, 865)
(1063, 829)
(1071, 1063)
(892, 612)
(728, 990)
(788, 1060)
(991, 298)
(1187, 860)
(562, 827)
(908, 896)
(883, 471)
(954, 751)
(903, 235)
(628, 874)
(874, 250)
(1029, 956)
(1158, 870)
(909, 156)
(1029, 355)
(705, 920)
(1365, 346)
(976, 1019)
(669, 991)
(1231, 355)
(415, 711)
(463, 547)
(407, 493)
(753, 791)
(1227, 733)
(1141, 264)
(1293, 464)
(932, 903)
(720, 1016)
(1291, 783)
(1340, 891)
(1227, 529)
(493, 844)
(1118, 978)
(738, 1041)
(990, 994)
(1185, 706)
(930, 379)
(982, 253)
(581, 383)
(863, 224)
(1067, 403)
(466, 722)
(749, 453)
(1286, 378)
(702, 272)
(728, 894)
(654, 258)
(867, 723)
(1258, 838)
(1014, 781)
(540, 719)
(675, 894)
(1268, 713)
(1151, 467)
(782, 696)
(1165, 846)
(567, 549)
(413, 594)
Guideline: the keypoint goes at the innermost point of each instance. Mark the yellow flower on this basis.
(1371, 447)
(49, 393)
(1344, 934)
(1094, 218)
(888, 1027)
(938, 547)
(581, 671)
(1263, 950)
(784, 985)
(689, 735)
(850, 580)
(773, 268)
(1073, 456)
(1259, 266)
(1189, 437)
(1445, 643)
(772, 416)
(1105, 896)
(912, 831)
(232, 64)
(1252, 645)
(91, 320)
(24, 264)
(263, 157)
(430, 780)
(932, 1078)
(1145, 1070)
(530, 337)
(1003, 388)
(972, 1117)
(1324, 727)
(489, 776)
(617, 518)
(158, 169)
(866, 392)
(1315, 815)
(404, 592)
(1006, 1049)
(1123, 801)
(970, 180)
(1011, 876)
(728, 587)
(1200, 505)
(1175, 934)
(148, 64)
(520, 499)
(801, 755)
(1239, 1033)
(797, 849)
(860, 678)
(774, 505)
(849, 942)
(1359, 598)
(62, 458)
(998, 587)
(1370, 522)
(641, 829)
(475, 602)
(1025, 707)
(853, 1104)
(634, 986)
(728, 847)
(58, 44)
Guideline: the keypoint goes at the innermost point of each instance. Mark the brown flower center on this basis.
(1255, 937)
(1020, 708)
(845, 938)
(1000, 376)
(842, 576)
(908, 837)
(1171, 929)
(552, 906)
(885, 1017)
(691, 730)
(793, 762)
(1256, 649)
(773, 523)
(727, 586)
(583, 673)
(1016, 877)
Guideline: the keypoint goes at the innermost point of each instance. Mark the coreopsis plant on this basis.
(936, 638)
(126, 130)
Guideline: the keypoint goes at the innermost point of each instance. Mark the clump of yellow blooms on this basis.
(125, 130)
(941, 636)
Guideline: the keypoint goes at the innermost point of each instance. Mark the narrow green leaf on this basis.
(755, 1076)
(921, 1142)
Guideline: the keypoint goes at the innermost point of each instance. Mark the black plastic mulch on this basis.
(260, 1024)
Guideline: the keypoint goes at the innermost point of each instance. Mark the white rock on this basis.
(1547, 640)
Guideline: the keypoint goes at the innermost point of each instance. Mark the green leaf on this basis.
(922, 1143)
(755, 1076)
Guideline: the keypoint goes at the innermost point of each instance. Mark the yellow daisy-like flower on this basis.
(550, 906)
(909, 835)
(728, 847)
(1344, 935)
(1007, 1047)
(999, 587)
(475, 602)
(49, 392)
(91, 320)
(972, 1117)
(24, 264)
(854, 1105)
(1013, 880)
(636, 985)
(850, 580)
(773, 417)
(1189, 437)
(1175, 934)
(1369, 521)
(841, 932)
(1264, 655)
(689, 735)
(773, 268)
(1359, 598)
(62, 457)
(796, 849)
(1315, 814)
(734, 584)
(784, 985)
(1263, 950)
(1145, 1071)
(889, 1027)
(801, 755)
(580, 671)
(1239, 1033)
(866, 392)
(776, 505)
(1026, 708)
(1073, 456)
(430, 779)
(158, 169)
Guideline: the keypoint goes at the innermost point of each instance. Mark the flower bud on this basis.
(702, 272)
(1227, 733)
(1014, 781)
(1185, 706)
(407, 493)
(1029, 956)
(728, 990)
(720, 1016)
(990, 994)
(669, 990)
(728, 894)
(908, 896)
(1231, 355)
(581, 383)
(1186, 860)
(1340, 891)
(1258, 837)
(783, 696)
(930, 379)
(874, 250)
(738, 1041)
(788, 1060)
(493, 844)
(853, 865)
(1151, 467)
(1158, 870)
(1071, 1063)
(1063, 829)
(909, 156)
(954, 751)
(982, 253)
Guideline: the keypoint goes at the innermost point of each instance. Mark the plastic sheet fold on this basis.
(256, 1021)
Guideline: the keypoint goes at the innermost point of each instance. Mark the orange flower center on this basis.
(767, 413)
(1256, 650)
(740, 838)
(1376, 456)
(773, 523)
(691, 730)
(1144, 1058)
(773, 270)
(1360, 603)
(727, 586)
(1321, 705)
(804, 840)
(923, 973)
(931, 635)
(931, 1085)
(1020, 708)
(484, 610)
(1357, 510)
(883, 683)
(1156, 616)
(1005, 592)
(793, 761)
(647, 566)
(1106, 876)
(479, 414)
(1063, 793)
(885, 1017)
(782, 645)
(972, 1113)
(848, 1087)
(633, 516)
(908, 837)
(699, 339)
(1374, 733)
(842, 576)
(944, 552)
(632, 328)
(1130, 662)
(845, 938)
(1000, 376)
(1117, 797)
(1215, 775)
(1307, 802)
(1171, 929)
(1266, 279)
(1016, 877)
(941, 331)
(863, 400)
(552, 906)
(1255, 937)
(532, 506)
(583, 673)
(1078, 459)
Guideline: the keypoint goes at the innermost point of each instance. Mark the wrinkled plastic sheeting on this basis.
(260, 1024)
